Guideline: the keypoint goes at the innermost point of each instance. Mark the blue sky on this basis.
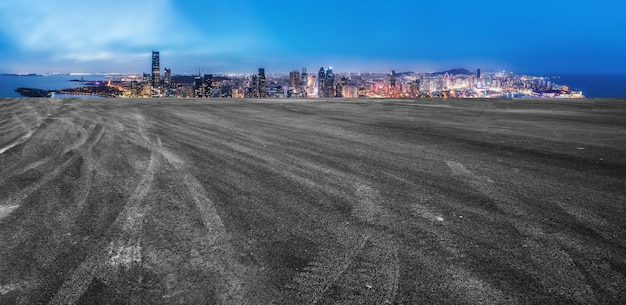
(547, 36)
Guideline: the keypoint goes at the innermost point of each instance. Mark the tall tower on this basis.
(329, 83)
(303, 82)
(262, 87)
(321, 77)
(294, 79)
(254, 84)
(167, 77)
(156, 69)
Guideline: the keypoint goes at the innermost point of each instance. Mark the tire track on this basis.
(373, 277)
(121, 252)
(124, 248)
(95, 132)
(82, 138)
(127, 249)
(28, 134)
(14, 201)
(365, 263)
(553, 267)
(485, 186)
(314, 282)
(221, 259)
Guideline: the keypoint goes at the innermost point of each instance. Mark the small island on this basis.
(32, 92)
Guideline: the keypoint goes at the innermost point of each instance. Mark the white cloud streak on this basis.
(83, 31)
(115, 34)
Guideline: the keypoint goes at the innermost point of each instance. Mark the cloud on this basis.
(118, 33)
(81, 25)
(84, 31)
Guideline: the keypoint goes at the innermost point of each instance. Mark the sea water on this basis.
(595, 85)
(8, 83)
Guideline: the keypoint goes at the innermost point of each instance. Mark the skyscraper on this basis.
(156, 69)
(303, 82)
(254, 84)
(167, 77)
(294, 79)
(329, 83)
(262, 86)
(321, 77)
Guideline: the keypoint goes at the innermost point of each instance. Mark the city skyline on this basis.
(352, 36)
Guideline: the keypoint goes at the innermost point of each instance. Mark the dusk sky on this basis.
(537, 36)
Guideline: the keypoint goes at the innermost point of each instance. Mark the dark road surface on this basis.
(312, 202)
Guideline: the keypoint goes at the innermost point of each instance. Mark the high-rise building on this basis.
(207, 80)
(294, 79)
(303, 82)
(478, 73)
(321, 77)
(156, 69)
(393, 79)
(350, 91)
(339, 92)
(262, 87)
(329, 83)
(311, 85)
(167, 78)
(198, 86)
(254, 84)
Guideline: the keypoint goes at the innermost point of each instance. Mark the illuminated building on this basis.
(167, 78)
(321, 77)
(350, 91)
(329, 83)
(262, 88)
(303, 82)
(294, 79)
(198, 86)
(156, 69)
(254, 83)
(258, 87)
(339, 89)
(208, 85)
(311, 85)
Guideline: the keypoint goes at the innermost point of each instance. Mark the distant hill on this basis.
(454, 72)
(405, 73)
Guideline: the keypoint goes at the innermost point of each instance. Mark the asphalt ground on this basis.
(116, 201)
